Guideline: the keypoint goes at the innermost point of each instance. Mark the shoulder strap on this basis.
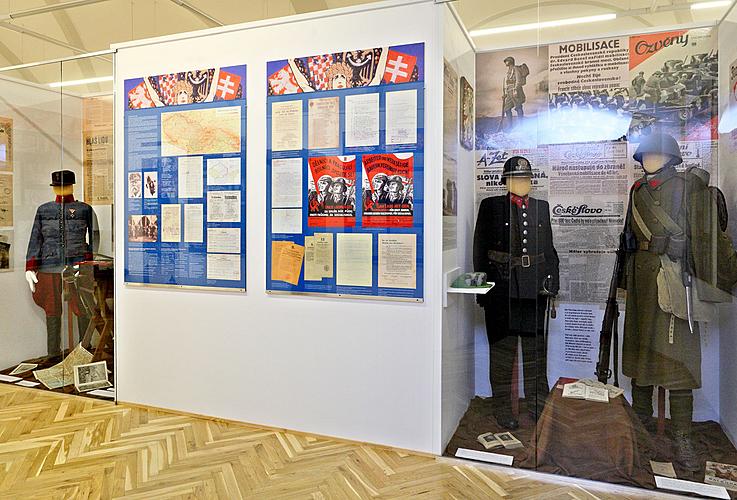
(657, 211)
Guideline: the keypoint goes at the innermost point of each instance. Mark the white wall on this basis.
(728, 184)
(37, 114)
(275, 360)
(458, 327)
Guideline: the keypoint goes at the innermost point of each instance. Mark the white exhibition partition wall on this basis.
(366, 370)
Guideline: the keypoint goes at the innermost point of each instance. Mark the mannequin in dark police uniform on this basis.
(513, 244)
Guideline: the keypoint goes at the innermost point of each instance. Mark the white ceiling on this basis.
(91, 25)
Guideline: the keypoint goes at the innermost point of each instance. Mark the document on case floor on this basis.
(706, 490)
(485, 456)
(194, 220)
(286, 126)
(8, 378)
(663, 469)
(24, 367)
(223, 206)
(401, 117)
(190, 182)
(171, 223)
(362, 120)
(323, 123)
(27, 383)
(355, 260)
(286, 182)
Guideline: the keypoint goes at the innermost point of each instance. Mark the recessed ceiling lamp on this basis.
(710, 5)
(87, 81)
(544, 24)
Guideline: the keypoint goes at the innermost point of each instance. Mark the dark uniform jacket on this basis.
(658, 348)
(504, 231)
(61, 235)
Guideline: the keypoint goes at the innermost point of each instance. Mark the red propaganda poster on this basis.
(331, 196)
(388, 189)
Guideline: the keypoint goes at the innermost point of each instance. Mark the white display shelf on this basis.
(481, 290)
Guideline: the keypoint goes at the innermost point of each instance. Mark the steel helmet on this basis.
(659, 143)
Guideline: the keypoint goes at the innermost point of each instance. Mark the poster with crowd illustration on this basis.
(345, 173)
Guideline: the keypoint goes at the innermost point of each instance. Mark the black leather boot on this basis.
(53, 335)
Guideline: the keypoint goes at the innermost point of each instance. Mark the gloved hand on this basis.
(32, 279)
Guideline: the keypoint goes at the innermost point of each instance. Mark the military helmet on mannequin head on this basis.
(516, 166)
(509, 59)
(659, 143)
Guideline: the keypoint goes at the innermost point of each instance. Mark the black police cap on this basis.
(62, 178)
(516, 166)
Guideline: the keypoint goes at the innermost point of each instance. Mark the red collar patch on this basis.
(518, 200)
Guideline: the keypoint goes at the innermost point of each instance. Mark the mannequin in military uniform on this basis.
(513, 244)
(62, 235)
(659, 348)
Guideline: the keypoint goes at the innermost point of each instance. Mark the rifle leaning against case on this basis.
(609, 326)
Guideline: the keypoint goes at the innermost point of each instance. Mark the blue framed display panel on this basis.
(221, 200)
(329, 285)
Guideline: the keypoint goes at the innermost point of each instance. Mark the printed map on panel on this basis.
(201, 131)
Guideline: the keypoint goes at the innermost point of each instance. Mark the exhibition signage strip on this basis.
(345, 170)
(185, 174)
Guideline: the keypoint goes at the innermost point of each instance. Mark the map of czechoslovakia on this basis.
(201, 131)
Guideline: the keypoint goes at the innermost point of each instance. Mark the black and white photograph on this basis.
(512, 91)
(143, 228)
(151, 185)
(91, 376)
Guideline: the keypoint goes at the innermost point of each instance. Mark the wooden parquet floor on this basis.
(62, 447)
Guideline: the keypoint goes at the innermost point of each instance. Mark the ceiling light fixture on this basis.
(87, 81)
(710, 5)
(544, 24)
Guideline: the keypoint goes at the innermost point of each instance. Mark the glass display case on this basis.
(56, 240)
(603, 190)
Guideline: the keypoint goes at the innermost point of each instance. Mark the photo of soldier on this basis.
(511, 92)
